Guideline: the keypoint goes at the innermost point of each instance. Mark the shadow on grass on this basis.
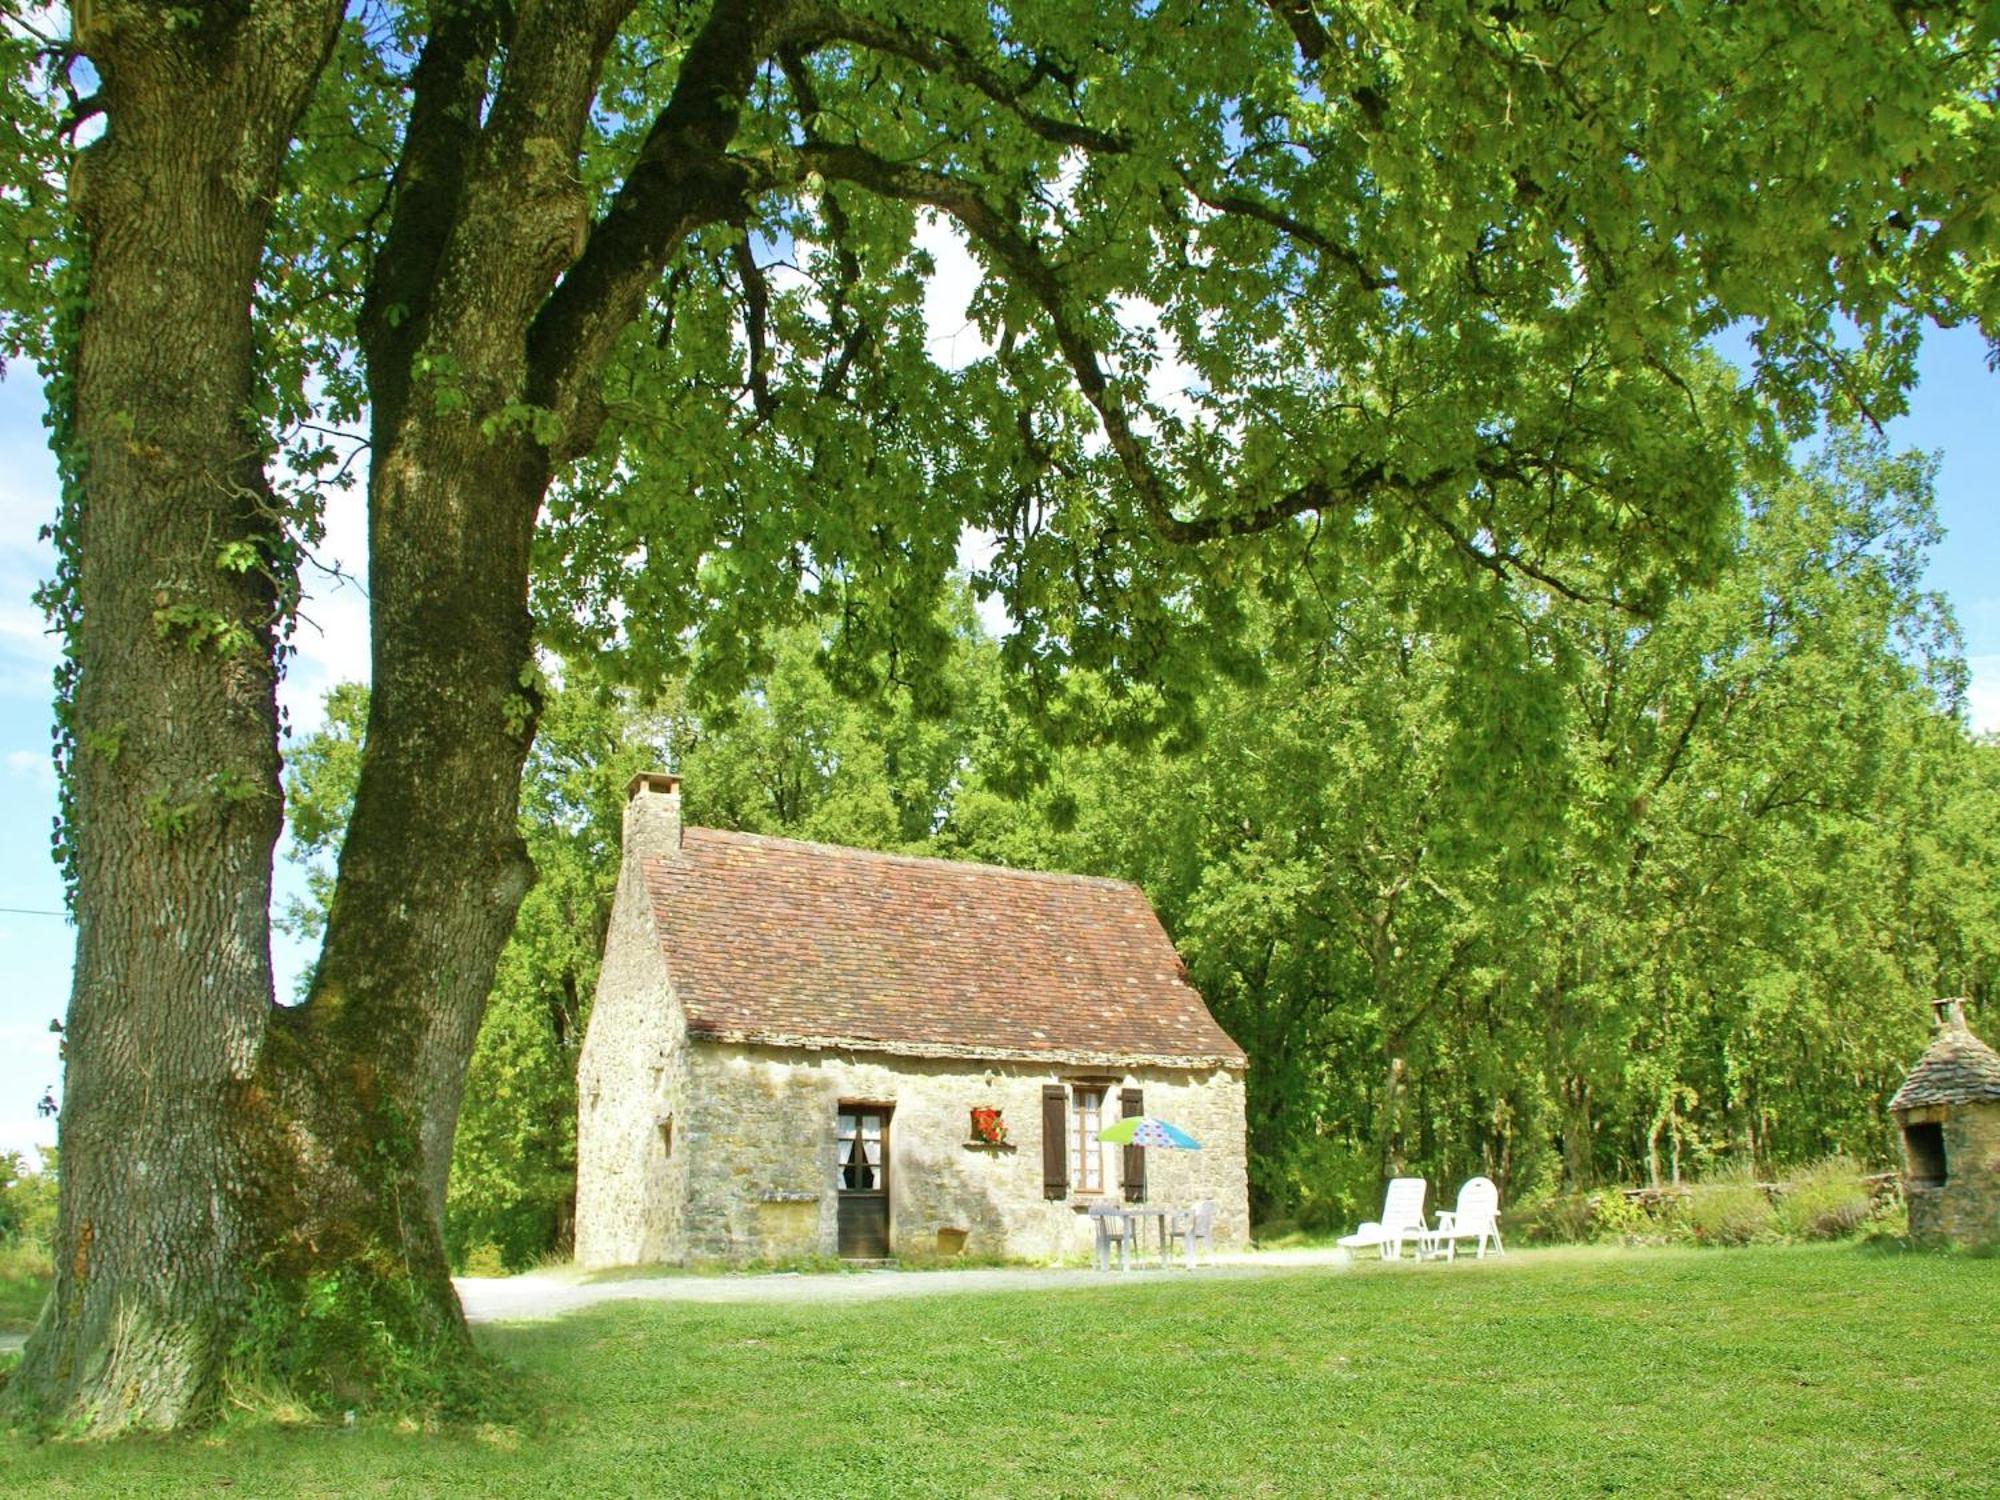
(1562, 1372)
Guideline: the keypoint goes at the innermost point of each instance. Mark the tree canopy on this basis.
(1404, 304)
(1683, 909)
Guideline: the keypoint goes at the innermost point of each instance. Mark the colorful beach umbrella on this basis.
(1146, 1130)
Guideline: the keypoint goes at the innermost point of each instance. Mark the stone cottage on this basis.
(798, 1049)
(1948, 1113)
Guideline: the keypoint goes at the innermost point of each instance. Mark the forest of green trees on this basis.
(1593, 897)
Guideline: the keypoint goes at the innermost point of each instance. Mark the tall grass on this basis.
(1730, 1209)
(1826, 1200)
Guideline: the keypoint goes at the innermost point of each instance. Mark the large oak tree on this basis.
(640, 285)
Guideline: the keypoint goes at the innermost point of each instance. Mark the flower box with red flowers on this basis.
(988, 1129)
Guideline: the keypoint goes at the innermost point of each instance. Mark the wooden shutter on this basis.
(1132, 1102)
(1055, 1141)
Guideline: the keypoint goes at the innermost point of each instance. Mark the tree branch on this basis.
(682, 179)
(1315, 43)
(1264, 213)
(448, 88)
(756, 322)
(1006, 242)
(948, 57)
(1502, 562)
(1303, 22)
(850, 330)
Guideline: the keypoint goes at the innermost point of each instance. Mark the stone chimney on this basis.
(653, 816)
(1949, 1015)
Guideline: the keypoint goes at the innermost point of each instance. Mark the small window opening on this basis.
(1926, 1148)
(666, 1123)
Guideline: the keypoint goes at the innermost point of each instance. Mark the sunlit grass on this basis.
(24, 1281)
(1773, 1370)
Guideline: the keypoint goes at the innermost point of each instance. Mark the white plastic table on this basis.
(1133, 1216)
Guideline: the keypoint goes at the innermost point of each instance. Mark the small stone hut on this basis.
(804, 1050)
(1948, 1114)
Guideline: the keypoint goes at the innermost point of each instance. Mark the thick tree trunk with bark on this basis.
(239, 1180)
(165, 1143)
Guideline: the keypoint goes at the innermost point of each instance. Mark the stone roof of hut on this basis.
(1955, 1069)
(781, 942)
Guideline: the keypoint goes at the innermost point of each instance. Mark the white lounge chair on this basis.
(1477, 1217)
(1195, 1226)
(1402, 1219)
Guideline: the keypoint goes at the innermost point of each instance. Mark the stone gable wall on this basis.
(758, 1140)
(632, 1080)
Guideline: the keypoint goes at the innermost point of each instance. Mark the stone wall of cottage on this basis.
(1965, 1209)
(758, 1147)
(632, 1074)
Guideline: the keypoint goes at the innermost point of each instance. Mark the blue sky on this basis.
(1955, 411)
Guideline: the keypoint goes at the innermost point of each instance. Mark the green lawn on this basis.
(24, 1281)
(1825, 1370)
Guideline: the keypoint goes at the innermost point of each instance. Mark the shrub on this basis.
(1824, 1201)
(25, 1272)
(1731, 1210)
(1327, 1184)
(1888, 1222)
(1560, 1219)
(1605, 1217)
(1616, 1219)
(484, 1260)
(27, 1200)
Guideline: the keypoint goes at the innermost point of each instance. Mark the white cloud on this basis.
(1171, 378)
(975, 551)
(27, 650)
(31, 765)
(332, 634)
(954, 340)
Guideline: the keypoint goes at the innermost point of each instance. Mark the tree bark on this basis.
(164, 1207)
(242, 1181)
(1389, 1125)
(1579, 1135)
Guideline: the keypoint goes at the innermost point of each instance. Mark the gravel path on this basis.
(545, 1294)
(550, 1294)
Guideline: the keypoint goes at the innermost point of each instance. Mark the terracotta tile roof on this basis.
(771, 940)
(1956, 1068)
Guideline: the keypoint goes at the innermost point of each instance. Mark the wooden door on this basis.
(862, 1155)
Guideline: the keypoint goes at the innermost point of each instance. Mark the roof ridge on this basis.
(849, 851)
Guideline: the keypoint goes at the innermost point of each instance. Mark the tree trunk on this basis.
(1389, 1126)
(433, 866)
(241, 1181)
(1579, 1138)
(166, 1210)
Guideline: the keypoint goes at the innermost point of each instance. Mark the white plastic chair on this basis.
(1111, 1224)
(1402, 1218)
(1477, 1217)
(1196, 1226)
